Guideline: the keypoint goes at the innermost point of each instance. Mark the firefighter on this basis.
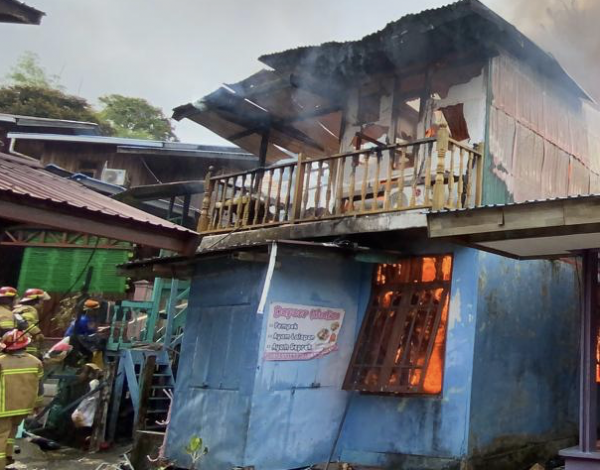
(7, 300)
(28, 308)
(85, 323)
(22, 389)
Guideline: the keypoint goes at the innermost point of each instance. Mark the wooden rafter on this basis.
(41, 237)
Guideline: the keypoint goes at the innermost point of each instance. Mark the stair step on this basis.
(155, 427)
(159, 398)
(157, 412)
(161, 386)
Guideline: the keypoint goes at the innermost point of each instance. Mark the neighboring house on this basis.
(130, 162)
(13, 11)
(109, 166)
(363, 340)
(58, 228)
(17, 123)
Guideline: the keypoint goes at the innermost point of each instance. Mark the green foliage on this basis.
(135, 118)
(31, 91)
(196, 450)
(44, 102)
(28, 72)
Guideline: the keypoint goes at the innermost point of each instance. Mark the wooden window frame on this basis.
(396, 319)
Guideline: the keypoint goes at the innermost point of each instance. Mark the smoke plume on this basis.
(568, 29)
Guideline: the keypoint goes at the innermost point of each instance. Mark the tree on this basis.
(48, 103)
(135, 118)
(28, 72)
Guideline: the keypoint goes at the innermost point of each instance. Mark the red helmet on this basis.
(33, 295)
(7, 291)
(15, 340)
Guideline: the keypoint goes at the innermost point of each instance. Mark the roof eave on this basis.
(28, 210)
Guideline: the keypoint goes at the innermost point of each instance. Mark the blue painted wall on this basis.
(525, 378)
(297, 405)
(504, 376)
(217, 365)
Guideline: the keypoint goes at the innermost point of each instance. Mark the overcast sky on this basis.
(172, 52)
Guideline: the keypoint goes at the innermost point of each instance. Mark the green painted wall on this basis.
(57, 269)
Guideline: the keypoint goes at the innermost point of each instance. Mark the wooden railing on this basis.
(432, 173)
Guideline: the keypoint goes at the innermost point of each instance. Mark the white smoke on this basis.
(568, 29)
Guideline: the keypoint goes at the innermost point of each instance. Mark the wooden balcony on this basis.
(432, 173)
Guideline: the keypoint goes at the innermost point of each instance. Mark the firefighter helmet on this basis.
(7, 291)
(91, 304)
(15, 340)
(33, 295)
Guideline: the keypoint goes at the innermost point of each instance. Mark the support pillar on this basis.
(586, 455)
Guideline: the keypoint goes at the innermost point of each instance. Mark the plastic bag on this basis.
(83, 416)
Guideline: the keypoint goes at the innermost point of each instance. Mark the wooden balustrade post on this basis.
(209, 186)
(443, 137)
(298, 189)
(479, 174)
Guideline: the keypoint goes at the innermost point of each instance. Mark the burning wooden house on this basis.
(323, 323)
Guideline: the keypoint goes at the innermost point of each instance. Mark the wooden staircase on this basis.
(148, 378)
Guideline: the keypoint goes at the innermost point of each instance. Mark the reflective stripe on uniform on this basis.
(28, 370)
(10, 441)
(9, 414)
(3, 374)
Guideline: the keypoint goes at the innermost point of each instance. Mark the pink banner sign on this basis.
(301, 332)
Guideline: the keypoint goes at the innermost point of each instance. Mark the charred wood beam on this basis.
(283, 128)
(314, 113)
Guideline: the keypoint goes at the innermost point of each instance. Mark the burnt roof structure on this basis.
(299, 102)
(13, 11)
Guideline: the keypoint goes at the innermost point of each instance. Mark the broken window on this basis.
(400, 348)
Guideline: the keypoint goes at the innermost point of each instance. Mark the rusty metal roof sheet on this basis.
(26, 181)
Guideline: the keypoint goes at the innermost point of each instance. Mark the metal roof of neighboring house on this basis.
(30, 194)
(33, 121)
(13, 11)
(157, 207)
(125, 145)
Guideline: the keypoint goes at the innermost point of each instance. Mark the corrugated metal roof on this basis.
(126, 144)
(520, 203)
(27, 181)
(34, 121)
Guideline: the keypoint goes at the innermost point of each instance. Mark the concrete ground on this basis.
(32, 458)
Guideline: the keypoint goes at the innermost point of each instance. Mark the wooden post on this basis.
(443, 137)
(171, 306)
(479, 174)
(147, 374)
(208, 190)
(298, 189)
(264, 148)
(587, 390)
